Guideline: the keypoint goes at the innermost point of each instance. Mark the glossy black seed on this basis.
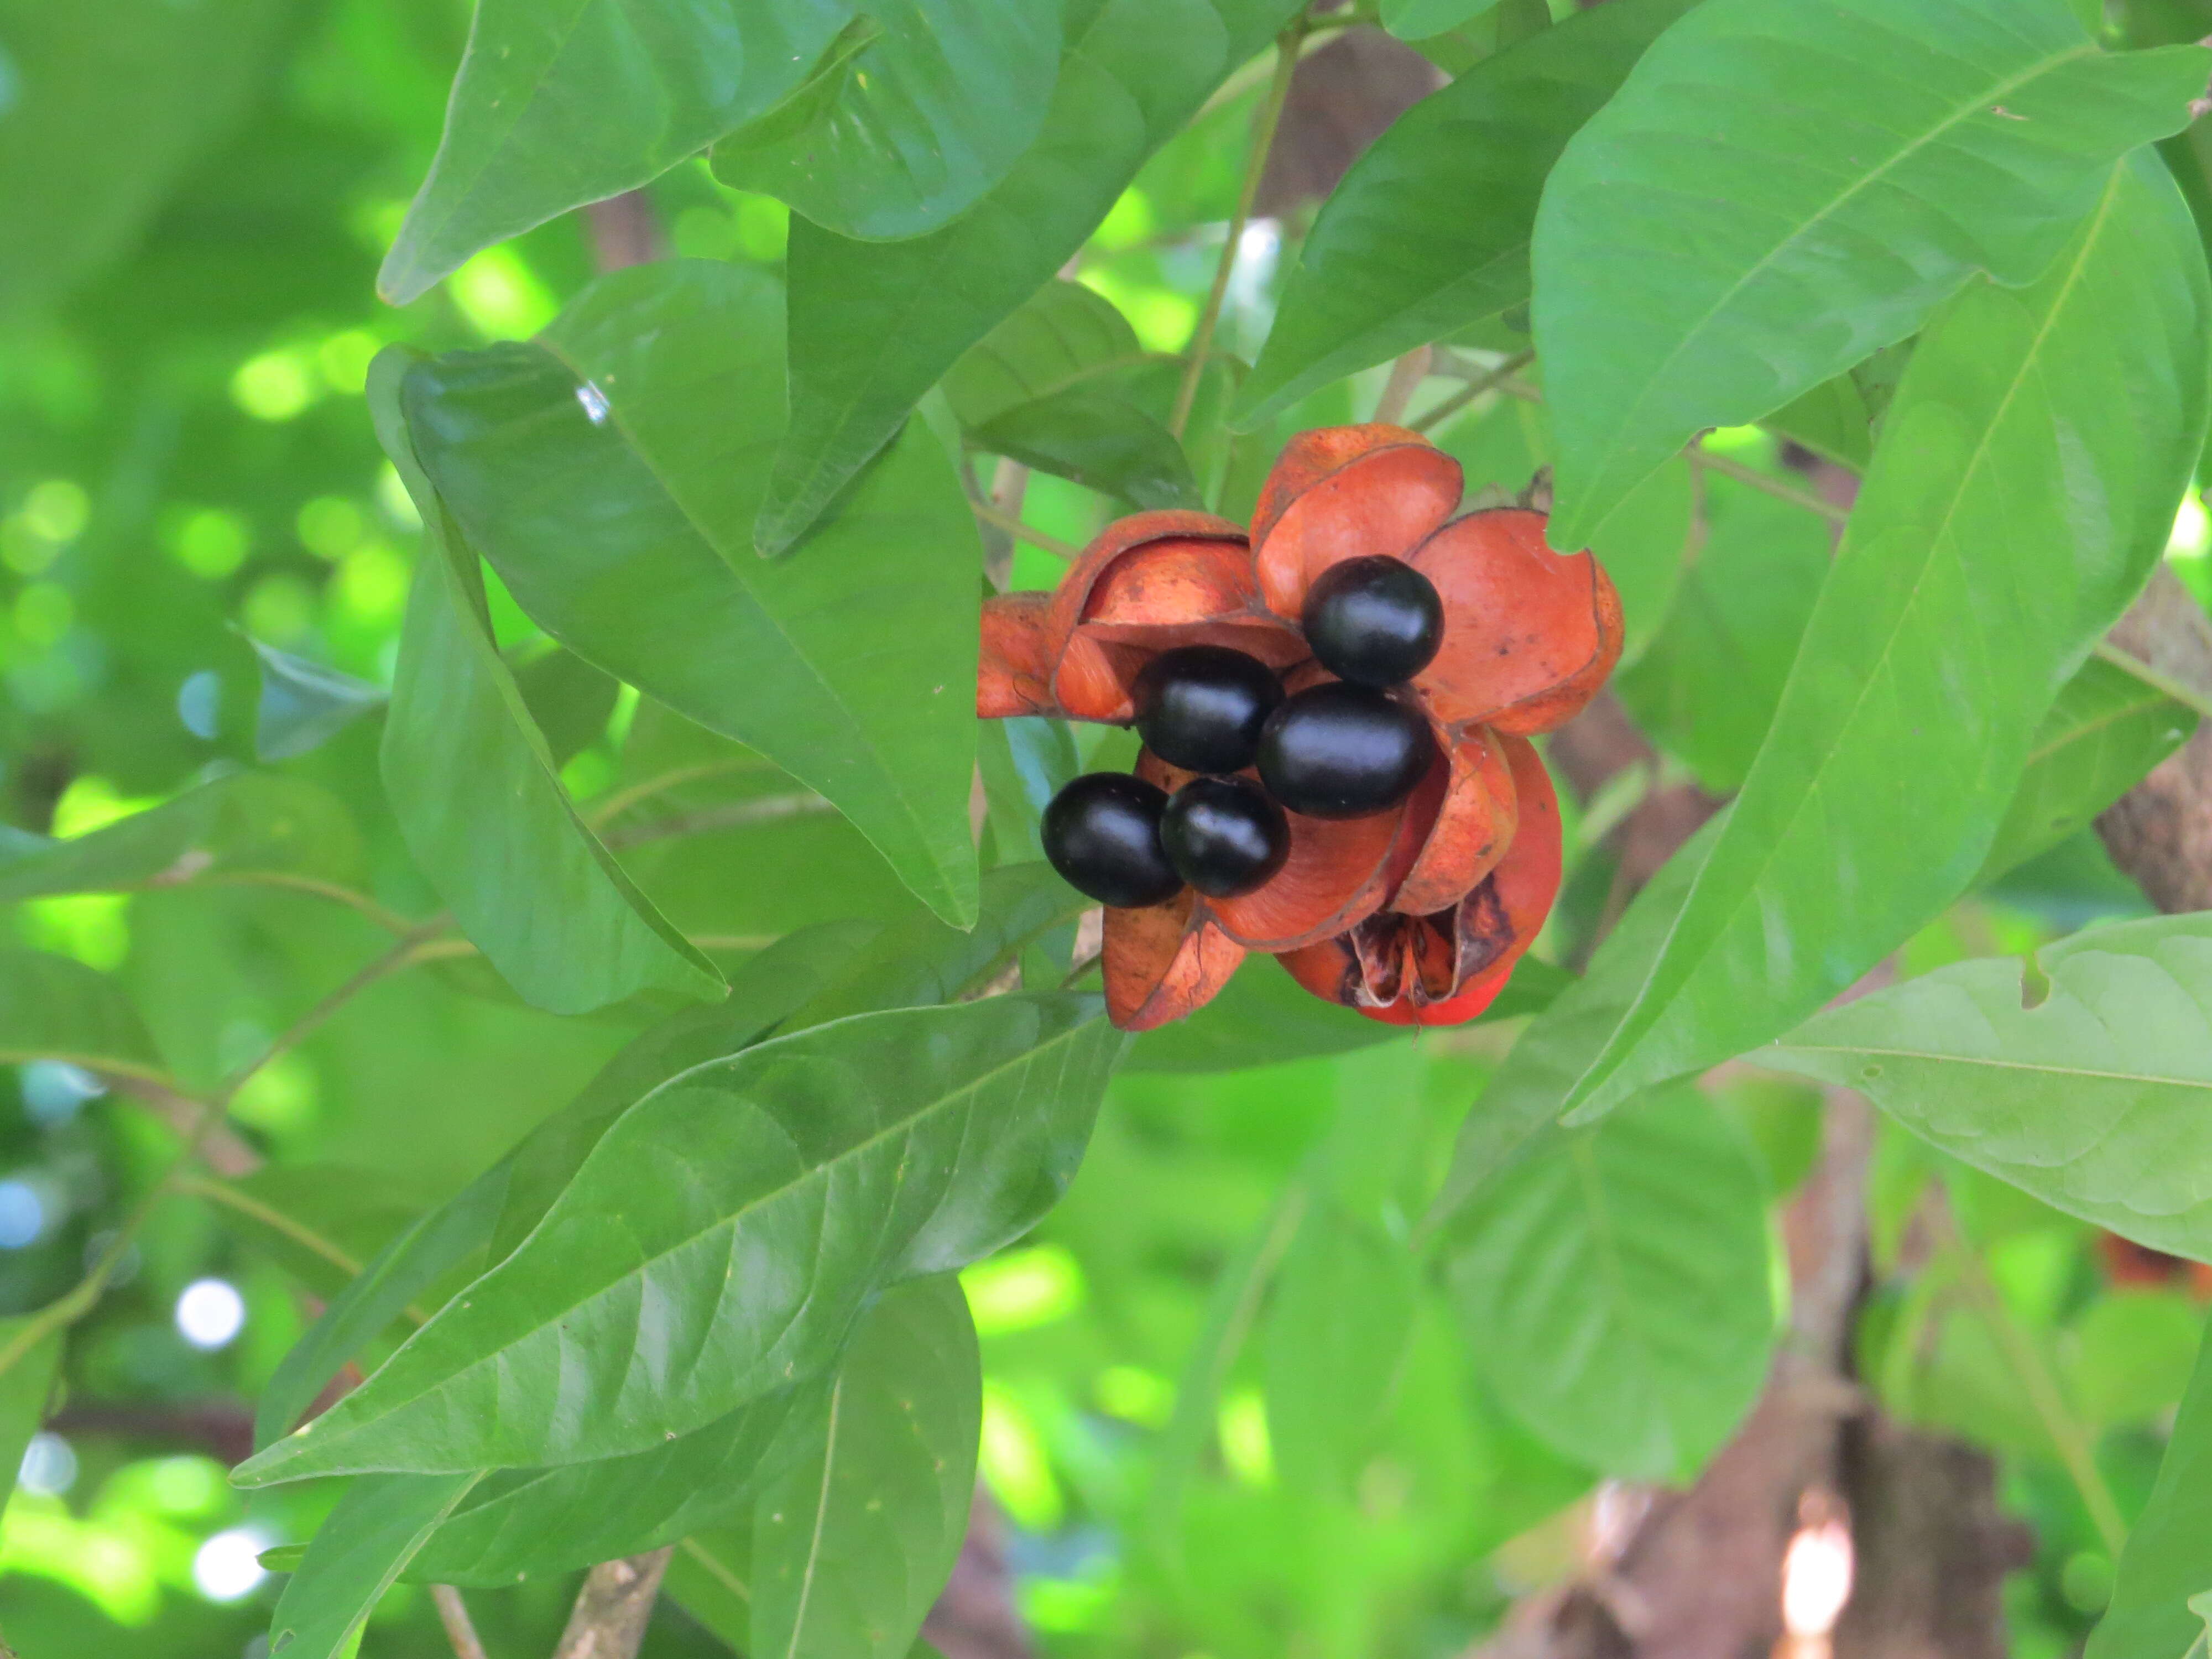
(1224, 836)
(1374, 621)
(1341, 751)
(1103, 834)
(1201, 707)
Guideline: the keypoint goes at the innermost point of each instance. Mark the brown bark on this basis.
(1344, 96)
(613, 1608)
(2161, 832)
(976, 1617)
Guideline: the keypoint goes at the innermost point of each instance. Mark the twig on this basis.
(1263, 140)
(1489, 381)
(613, 1608)
(605, 811)
(1760, 481)
(391, 921)
(1405, 377)
(401, 955)
(454, 1614)
(1021, 532)
(731, 815)
(1250, 75)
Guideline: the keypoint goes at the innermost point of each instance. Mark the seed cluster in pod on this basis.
(1346, 747)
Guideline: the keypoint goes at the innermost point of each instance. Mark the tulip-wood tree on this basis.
(643, 844)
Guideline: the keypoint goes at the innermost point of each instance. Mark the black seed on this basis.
(1339, 751)
(1374, 621)
(1103, 834)
(1201, 707)
(1224, 836)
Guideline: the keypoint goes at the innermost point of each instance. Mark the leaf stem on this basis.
(188, 1185)
(460, 1630)
(605, 811)
(2042, 1390)
(2157, 678)
(1760, 481)
(1015, 527)
(401, 955)
(1263, 140)
(732, 815)
(1489, 379)
(391, 921)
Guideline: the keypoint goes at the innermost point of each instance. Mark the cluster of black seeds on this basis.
(1343, 749)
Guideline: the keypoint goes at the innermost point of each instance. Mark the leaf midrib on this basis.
(1834, 205)
(875, 751)
(732, 1219)
(1939, 535)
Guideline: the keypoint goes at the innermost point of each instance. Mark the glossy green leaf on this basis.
(1706, 687)
(1062, 336)
(479, 799)
(59, 1009)
(852, 1543)
(304, 704)
(356, 1556)
(244, 826)
(2024, 488)
(2085, 1083)
(874, 326)
(101, 123)
(2163, 1571)
(557, 105)
(1614, 1288)
(1337, 1325)
(2107, 729)
(895, 137)
(1767, 163)
(494, 1213)
(25, 1389)
(1097, 437)
(531, 1523)
(1429, 231)
(610, 471)
(919, 961)
(827, 1165)
(319, 1222)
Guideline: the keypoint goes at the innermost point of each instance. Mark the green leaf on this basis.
(494, 1213)
(1429, 231)
(557, 105)
(1338, 1327)
(920, 962)
(305, 704)
(2023, 489)
(1025, 761)
(1831, 420)
(1614, 1289)
(479, 799)
(59, 1009)
(319, 1222)
(2106, 730)
(1706, 687)
(569, 701)
(1417, 20)
(2084, 1082)
(827, 1165)
(710, 1575)
(244, 826)
(874, 326)
(938, 100)
(532, 1523)
(2130, 1356)
(2158, 1590)
(102, 122)
(610, 471)
(1098, 438)
(852, 1543)
(356, 1556)
(1062, 335)
(26, 1387)
(1768, 163)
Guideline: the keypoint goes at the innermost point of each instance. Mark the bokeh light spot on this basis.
(210, 1313)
